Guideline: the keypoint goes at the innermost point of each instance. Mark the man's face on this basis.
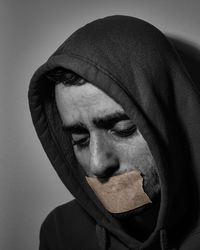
(106, 141)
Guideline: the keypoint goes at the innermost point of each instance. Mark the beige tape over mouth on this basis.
(120, 193)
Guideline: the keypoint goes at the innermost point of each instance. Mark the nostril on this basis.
(106, 171)
(109, 155)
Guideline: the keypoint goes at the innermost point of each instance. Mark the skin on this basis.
(102, 149)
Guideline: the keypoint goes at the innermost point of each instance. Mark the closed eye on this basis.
(124, 130)
(80, 141)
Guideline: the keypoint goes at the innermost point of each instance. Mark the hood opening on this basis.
(133, 63)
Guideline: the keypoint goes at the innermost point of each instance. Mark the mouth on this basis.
(121, 192)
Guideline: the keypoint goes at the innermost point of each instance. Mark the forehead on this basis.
(83, 103)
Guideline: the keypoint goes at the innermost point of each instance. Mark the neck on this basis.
(140, 222)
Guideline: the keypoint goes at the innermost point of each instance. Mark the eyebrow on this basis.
(109, 120)
(105, 122)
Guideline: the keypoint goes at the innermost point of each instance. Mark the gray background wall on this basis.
(30, 31)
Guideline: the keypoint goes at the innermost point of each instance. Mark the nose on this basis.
(103, 159)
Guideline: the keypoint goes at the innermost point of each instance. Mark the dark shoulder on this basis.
(67, 223)
(66, 209)
(70, 211)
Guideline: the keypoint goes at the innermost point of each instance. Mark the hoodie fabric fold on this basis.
(136, 65)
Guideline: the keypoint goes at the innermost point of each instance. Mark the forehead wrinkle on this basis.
(84, 104)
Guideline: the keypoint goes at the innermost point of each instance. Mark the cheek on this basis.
(134, 154)
(137, 156)
(83, 157)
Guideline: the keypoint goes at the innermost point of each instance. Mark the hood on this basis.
(135, 64)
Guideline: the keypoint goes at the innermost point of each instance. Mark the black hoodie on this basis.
(135, 64)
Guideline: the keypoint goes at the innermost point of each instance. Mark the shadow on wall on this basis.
(190, 55)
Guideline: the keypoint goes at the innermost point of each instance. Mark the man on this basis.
(118, 117)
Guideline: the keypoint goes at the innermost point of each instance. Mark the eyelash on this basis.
(83, 143)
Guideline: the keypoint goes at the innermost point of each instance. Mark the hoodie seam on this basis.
(100, 68)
